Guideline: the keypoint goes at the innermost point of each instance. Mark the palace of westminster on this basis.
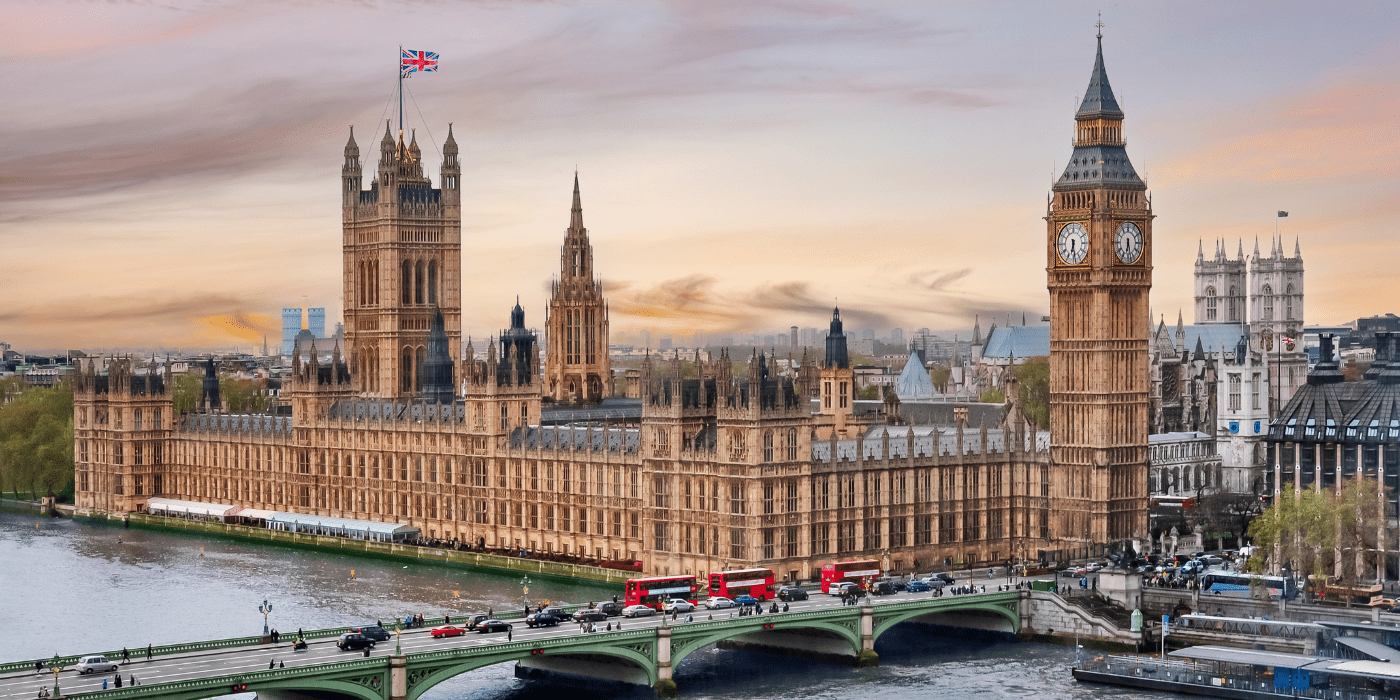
(733, 463)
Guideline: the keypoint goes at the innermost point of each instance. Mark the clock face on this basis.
(1128, 242)
(1073, 244)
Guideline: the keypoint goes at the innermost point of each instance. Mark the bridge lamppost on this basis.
(265, 609)
(57, 667)
(525, 591)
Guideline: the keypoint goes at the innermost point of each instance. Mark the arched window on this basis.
(1288, 303)
(1210, 303)
(420, 357)
(406, 281)
(418, 283)
(767, 446)
(406, 370)
(432, 282)
(792, 444)
(1234, 303)
(1266, 313)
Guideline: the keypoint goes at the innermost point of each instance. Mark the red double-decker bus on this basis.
(655, 591)
(856, 571)
(755, 582)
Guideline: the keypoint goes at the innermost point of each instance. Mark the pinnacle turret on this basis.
(576, 213)
(1098, 98)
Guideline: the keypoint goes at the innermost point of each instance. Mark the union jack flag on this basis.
(418, 62)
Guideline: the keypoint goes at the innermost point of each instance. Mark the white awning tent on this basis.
(341, 527)
(254, 514)
(174, 508)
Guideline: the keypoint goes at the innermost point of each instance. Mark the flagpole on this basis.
(401, 90)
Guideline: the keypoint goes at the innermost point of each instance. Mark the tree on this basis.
(185, 392)
(36, 440)
(1322, 533)
(939, 375)
(1034, 378)
(992, 396)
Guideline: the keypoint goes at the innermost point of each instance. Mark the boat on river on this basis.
(1247, 674)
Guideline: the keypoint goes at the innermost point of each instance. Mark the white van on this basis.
(94, 664)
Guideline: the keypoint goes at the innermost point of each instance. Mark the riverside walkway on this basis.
(645, 652)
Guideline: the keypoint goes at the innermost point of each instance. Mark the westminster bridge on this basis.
(644, 653)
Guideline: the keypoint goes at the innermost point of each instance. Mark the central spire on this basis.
(576, 214)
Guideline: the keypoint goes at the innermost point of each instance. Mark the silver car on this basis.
(94, 664)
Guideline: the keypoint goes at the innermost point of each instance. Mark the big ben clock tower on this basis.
(1099, 271)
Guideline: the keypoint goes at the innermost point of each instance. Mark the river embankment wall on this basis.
(384, 550)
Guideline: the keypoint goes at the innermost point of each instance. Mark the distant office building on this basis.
(316, 321)
(291, 325)
(793, 332)
(897, 336)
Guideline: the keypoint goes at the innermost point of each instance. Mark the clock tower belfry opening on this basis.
(1099, 273)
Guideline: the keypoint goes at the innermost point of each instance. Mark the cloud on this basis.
(693, 300)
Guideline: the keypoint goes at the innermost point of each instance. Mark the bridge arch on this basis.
(318, 689)
(683, 645)
(987, 615)
(423, 674)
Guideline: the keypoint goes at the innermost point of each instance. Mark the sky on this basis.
(169, 170)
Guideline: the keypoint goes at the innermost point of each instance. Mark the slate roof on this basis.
(1099, 165)
(927, 439)
(577, 437)
(610, 409)
(936, 412)
(1098, 99)
(1024, 341)
(913, 381)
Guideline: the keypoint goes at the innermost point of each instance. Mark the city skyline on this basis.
(741, 167)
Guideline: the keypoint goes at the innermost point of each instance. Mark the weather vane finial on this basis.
(1099, 24)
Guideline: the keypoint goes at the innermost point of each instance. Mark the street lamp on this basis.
(57, 666)
(524, 590)
(265, 609)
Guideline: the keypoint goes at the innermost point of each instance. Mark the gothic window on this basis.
(418, 283)
(406, 283)
(767, 446)
(1267, 312)
(1234, 391)
(432, 282)
(1288, 303)
(768, 498)
(1233, 304)
(662, 446)
(736, 499)
(406, 370)
(421, 356)
(590, 344)
(736, 445)
(792, 444)
(1254, 390)
(844, 400)
(1210, 303)
(826, 394)
(792, 497)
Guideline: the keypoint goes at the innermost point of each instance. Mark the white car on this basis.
(679, 606)
(94, 664)
(717, 602)
(637, 611)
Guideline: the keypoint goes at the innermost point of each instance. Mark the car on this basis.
(679, 606)
(882, 588)
(1093, 566)
(918, 587)
(590, 615)
(474, 619)
(374, 632)
(544, 618)
(745, 600)
(353, 641)
(612, 609)
(945, 577)
(492, 626)
(448, 631)
(848, 589)
(790, 593)
(94, 664)
(718, 602)
(638, 611)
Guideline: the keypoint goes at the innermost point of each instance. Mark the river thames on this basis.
(73, 588)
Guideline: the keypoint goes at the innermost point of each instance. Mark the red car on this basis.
(448, 631)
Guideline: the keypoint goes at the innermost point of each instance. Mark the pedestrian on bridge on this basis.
(271, 664)
(148, 652)
(118, 682)
(38, 666)
(281, 664)
(126, 655)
